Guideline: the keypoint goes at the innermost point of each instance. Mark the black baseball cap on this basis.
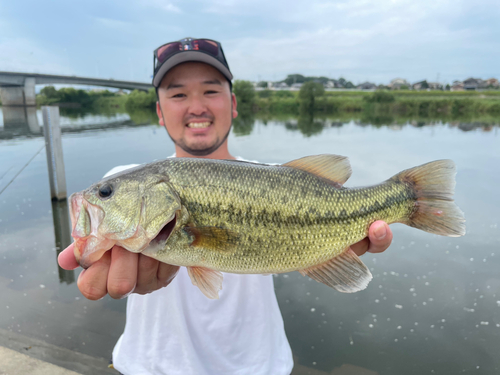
(189, 49)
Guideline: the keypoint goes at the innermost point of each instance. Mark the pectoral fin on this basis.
(213, 238)
(346, 273)
(209, 281)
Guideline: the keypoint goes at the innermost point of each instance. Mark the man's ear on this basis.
(160, 116)
(235, 104)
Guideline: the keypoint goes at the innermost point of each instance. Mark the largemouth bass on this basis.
(215, 216)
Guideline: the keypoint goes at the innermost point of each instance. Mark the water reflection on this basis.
(62, 234)
(19, 121)
(244, 123)
(308, 125)
(27, 122)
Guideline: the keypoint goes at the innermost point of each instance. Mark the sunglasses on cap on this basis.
(208, 46)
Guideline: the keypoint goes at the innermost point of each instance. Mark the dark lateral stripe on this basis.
(313, 216)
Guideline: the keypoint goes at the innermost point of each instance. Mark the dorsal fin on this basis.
(334, 168)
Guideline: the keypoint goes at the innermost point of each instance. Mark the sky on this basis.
(360, 40)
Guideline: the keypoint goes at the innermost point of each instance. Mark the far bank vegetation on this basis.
(311, 98)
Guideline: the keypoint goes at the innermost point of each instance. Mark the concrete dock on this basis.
(22, 355)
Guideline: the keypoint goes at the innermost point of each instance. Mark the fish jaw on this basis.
(89, 245)
(90, 250)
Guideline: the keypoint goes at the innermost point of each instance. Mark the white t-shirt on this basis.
(176, 330)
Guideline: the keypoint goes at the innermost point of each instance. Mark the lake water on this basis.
(433, 306)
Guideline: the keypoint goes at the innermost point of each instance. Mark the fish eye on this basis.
(105, 191)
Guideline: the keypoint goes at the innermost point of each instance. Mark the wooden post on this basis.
(62, 232)
(53, 147)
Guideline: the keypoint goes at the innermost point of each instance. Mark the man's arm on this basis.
(120, 272)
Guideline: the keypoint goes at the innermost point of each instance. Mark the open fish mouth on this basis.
(90, 245)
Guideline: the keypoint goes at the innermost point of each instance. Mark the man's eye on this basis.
(211, 92)
(178, 96)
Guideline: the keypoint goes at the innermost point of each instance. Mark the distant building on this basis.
(296, 86)
(338, 84)
(367, 86)
(492, 82)
(435, 86)
(397, 83)
(474, 84)
(332, 84)
(422, 85)
(457, 86)
(280, 85)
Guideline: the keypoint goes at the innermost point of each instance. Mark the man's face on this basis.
(196, 106)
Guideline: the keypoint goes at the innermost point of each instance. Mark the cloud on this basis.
(359, 39)
(113, 23)
(23, 55)
(165, 5)
(366, 40)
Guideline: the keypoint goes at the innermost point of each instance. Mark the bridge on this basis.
(17, 93)
(18, 89)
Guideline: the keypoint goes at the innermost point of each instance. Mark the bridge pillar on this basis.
(18, 95)
(12, 96)
(29, 91)
(19, 106)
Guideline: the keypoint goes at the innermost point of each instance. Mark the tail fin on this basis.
(434, 184)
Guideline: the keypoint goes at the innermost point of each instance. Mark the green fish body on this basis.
(216, 216)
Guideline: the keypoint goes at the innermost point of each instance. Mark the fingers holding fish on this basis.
(66, 258)
(380, 236)
(379, 239)
(166, 273)
(92, 281)
(153, 275)
(122, 277)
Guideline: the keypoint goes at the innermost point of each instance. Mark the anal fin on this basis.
(209, 281)
(345, 273)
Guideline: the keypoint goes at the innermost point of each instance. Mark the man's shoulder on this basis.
(120, 168)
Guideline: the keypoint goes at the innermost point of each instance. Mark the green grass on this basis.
(439, 105)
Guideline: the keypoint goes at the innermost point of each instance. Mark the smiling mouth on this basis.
(199, 125)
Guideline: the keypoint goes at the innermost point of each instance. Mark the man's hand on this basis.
(119, 273)
(378, 240)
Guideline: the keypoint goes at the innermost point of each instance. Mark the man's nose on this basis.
(197, 106)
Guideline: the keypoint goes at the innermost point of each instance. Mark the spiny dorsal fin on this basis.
(209, 281)
(346, 273)
(213, 238)
(334, 168)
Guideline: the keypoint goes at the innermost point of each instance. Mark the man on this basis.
(176, 329)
